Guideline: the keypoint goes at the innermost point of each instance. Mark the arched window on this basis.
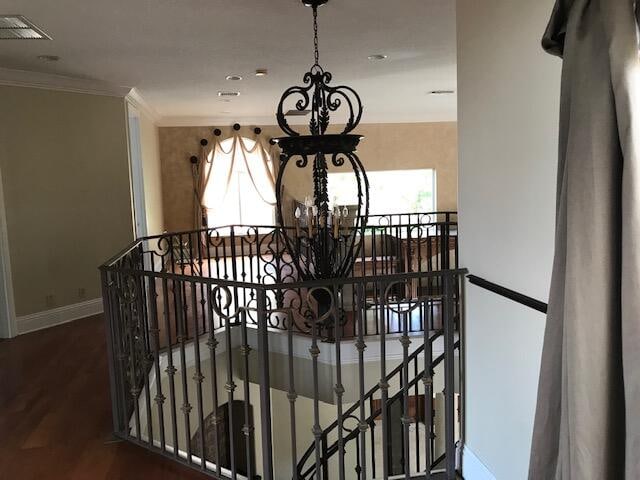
(240, 186)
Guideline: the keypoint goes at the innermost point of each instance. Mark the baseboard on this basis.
(58, 316)
(473, 468)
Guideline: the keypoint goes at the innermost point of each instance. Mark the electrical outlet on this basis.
(82, 293)
(49, 301)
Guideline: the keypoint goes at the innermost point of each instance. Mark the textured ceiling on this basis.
(177, 53)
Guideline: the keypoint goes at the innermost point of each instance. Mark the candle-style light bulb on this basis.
(298, 213)
(336, 221)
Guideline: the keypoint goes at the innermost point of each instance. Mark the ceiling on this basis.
(177, 53)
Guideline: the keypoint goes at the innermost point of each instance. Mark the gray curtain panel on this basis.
(587, 423)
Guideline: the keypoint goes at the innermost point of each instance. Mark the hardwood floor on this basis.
(55, 413)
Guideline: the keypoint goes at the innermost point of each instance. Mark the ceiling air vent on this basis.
(297, 113)
(17, 27)
(228, 94)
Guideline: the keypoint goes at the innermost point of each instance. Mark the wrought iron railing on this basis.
(222, 359)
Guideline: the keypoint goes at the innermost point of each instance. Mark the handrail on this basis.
(508, 293)
(389, 278)
(239, 225)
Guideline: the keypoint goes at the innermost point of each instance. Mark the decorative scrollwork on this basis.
(322, 99)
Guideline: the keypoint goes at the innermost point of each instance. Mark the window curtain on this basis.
(213, 172)
(587, 423)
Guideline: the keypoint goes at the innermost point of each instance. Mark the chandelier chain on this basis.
(315, 35)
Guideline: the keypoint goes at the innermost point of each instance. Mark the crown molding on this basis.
(62, 83)
(135, 98)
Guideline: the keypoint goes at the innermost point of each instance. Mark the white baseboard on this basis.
(473, 468)
(58, 316)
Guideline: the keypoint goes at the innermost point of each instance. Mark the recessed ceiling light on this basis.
(377, 56)
(17, 27)
(442, 92)
(48, 58)
(262, 72)
(234, 78)
(228, 94)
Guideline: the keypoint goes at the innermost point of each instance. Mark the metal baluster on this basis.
(134, 390)
(373, 438)
(234, 269)
(247, 428)
(384, 384)
(292, 396)
(170, 370)
(230, 385)
(462, 358)
(315, 352)
(243, 274)
(201, 284)
(147, 359)
(449, 365)
(183, 286)
(212, 343)
(173, 284)
(416, 403)
(198, 377)
(406, 420)
(186, 406)
(376, 292)
(112, 327)
(265, 385)
(358, 460)
(339, 387)
(420, 285)
(159, 398)
(361, 346)
(363, 271)
(427, 380)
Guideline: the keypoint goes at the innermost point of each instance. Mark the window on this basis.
(234, 195)
(390, 192)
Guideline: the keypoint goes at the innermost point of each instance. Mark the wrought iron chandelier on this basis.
(323, 238)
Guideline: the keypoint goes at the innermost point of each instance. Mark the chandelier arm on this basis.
(355, 114)
(295, 252)
(354, 249)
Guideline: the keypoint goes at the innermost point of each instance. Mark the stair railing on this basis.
(186, 346)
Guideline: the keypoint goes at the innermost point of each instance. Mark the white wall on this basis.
(150, 146)
(508, 111)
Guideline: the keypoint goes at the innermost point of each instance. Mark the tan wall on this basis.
(385, 147)
(152, 173)
(65, 174)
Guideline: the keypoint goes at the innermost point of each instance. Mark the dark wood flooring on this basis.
(55, 414)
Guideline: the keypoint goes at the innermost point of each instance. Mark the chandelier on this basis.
(323, 238)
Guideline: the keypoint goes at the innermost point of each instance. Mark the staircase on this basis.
(314, 463)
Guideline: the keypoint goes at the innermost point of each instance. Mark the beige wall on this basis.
(508, 96)
(152, 173)
(385, 147)
(66, 184)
